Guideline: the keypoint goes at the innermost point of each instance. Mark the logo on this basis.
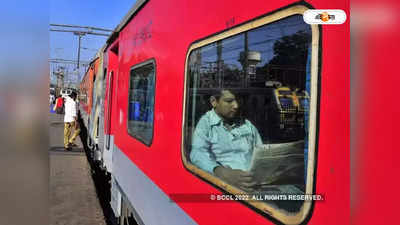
(324, 16)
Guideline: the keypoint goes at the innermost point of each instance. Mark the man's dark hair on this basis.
(73, 94)
(217, 92)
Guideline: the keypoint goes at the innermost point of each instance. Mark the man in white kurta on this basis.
(70, 121)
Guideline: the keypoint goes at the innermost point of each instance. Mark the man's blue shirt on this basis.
(213, 144)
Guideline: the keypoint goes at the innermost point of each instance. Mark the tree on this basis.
(291, 50)
(290, 58)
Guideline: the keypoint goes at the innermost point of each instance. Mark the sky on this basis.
(99, 13)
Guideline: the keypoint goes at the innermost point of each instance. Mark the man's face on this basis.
(227, 105)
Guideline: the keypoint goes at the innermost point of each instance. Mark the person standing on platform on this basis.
(70, 122)
(59, 105)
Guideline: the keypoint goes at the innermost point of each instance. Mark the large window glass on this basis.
(141, 102)
(247, 110)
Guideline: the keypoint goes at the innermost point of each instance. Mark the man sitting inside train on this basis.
(223, 142)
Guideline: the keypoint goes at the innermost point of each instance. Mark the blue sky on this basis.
(99, 13)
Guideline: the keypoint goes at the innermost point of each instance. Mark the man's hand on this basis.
(239, 178)
(76, 125)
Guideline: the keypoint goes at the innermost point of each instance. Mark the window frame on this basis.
(313, 123)
(136, 66)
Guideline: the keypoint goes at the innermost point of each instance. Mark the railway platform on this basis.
(73, 198)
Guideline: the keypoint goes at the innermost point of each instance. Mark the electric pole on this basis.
(80, 31)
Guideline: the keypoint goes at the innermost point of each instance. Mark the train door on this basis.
(108, 137)
(110, 94)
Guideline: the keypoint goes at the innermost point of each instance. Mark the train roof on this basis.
(128, 17)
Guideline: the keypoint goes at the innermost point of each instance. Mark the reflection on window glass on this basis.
(286, 102)
(141, 103)
(245, 114)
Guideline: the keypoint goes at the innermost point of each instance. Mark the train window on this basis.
(141, 102)
(250, 111)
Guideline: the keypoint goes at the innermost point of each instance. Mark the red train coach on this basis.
(221, 112)
(87, 85)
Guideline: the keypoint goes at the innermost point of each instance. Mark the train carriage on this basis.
(86, 90)
(159, 72)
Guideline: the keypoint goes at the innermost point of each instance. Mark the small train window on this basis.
(141, 102)
(250, 111)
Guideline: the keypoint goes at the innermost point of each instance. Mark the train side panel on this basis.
(85, 89)
(110, 93)
(147, 174)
